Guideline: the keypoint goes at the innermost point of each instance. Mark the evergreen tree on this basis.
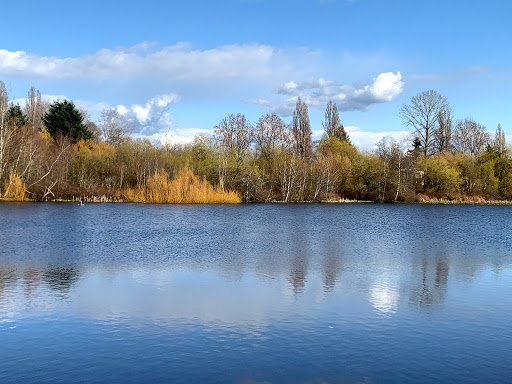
(64, 119)
(15, 117)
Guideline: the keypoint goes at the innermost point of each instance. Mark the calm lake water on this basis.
(255, 293)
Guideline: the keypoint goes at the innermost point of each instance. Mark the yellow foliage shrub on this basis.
(15, 188)
(186, 188)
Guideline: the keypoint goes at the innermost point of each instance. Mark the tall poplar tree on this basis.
(332, 124)
(301, 130)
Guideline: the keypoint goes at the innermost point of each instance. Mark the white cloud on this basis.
(288, 87)
(386, 86)
(316, 93)
(170, 139)
(92, 107)
(239, 71)
(122, 110)
(193, 131)
(292, 88)
(366, 140)
(141, 113)
(182, 136)
(153, 116)
(175, 62)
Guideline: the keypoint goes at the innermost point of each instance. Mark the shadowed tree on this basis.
(64, 119)
(15, 117)
(422, 116)
(301, 130)
(332, 124)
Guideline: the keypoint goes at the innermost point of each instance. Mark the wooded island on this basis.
(54, 151)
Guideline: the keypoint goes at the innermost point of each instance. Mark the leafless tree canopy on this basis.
(499, 143)
(470, 137)
(332, 124)
(301, 130)
(115, 127)
(234, 133)
(35, 108)
(4, 131)
(423, 116)
(270, 133)
(443, 135)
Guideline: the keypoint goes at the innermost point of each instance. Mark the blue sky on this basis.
(183, 66)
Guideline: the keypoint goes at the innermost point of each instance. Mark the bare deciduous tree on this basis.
(332, 124)
(422, 116)
(393, 157)
(35, 108)
(269, 134)
(443, 135)
(301, 129)
(4, 129)
(115, 127)
(470, 137)
(234, 133)
(499, 142)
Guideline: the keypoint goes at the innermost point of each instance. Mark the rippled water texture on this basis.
(255, 294)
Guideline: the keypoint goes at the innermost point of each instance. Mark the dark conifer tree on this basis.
(64, 119)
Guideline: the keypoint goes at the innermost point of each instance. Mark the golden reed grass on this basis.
(15, 188)
(186, 188)
(474, 200)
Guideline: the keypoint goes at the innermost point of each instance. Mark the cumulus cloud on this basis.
(121, 109)
(366, 140)
(152, 117)
(170, 139)
(316, 93)
(153, 110)
(179, 137)
(175, 62)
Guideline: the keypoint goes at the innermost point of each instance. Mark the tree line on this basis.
(54, 151)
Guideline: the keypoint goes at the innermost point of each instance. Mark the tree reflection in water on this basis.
(61, 279)
(430, 277)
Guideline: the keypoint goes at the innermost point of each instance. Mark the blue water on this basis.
(368, 293)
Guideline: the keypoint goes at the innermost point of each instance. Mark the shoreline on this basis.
(432, 201)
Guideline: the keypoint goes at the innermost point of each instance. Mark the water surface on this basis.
(255, 293)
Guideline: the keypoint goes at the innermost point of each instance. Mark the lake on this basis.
(332, 293)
